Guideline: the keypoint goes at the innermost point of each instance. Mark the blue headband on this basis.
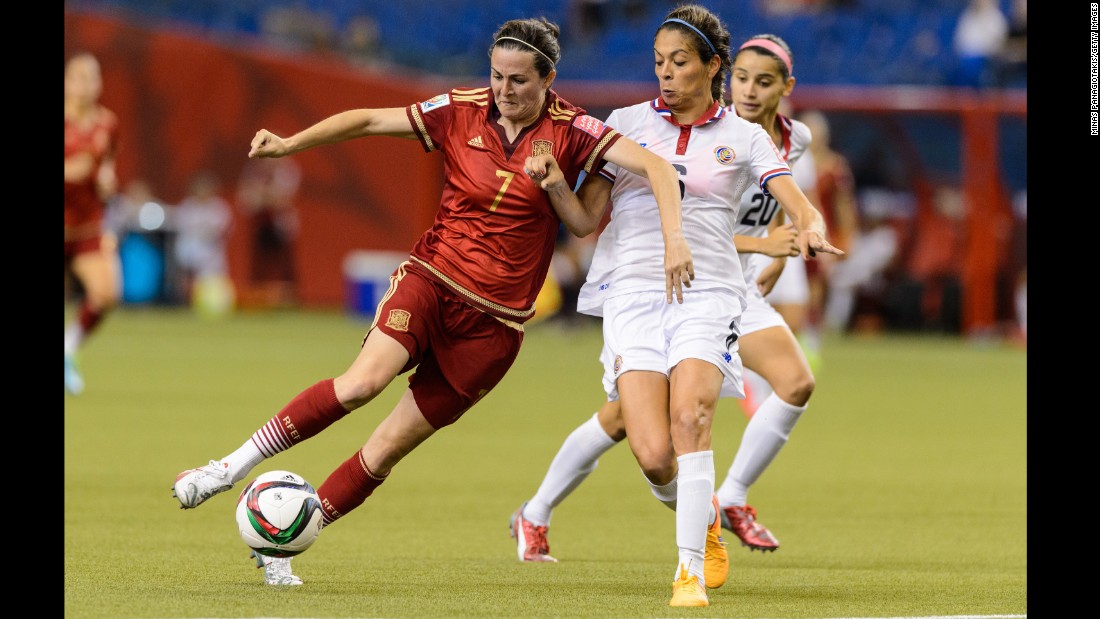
(697, 31)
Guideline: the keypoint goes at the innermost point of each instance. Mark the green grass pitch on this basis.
(901, 493)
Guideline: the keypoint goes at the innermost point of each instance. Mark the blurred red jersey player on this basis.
(90, 258)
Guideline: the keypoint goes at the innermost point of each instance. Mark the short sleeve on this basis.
(431, 120)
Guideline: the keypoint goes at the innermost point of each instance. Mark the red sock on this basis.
(89, 318)
(347, 487)
(306, 415)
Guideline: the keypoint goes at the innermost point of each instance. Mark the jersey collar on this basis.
(715, 112)
(785, 126)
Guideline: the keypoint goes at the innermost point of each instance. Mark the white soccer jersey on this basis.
(718, 158)
(757, 208)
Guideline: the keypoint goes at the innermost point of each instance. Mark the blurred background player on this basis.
(202, 221)
(781, 279)
(266, 193)
(91, 257)
(835, 188)
(800, 294)
(761, 78)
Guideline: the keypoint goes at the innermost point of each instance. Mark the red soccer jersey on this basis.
(833, 176)
(494, 233)
(83, 206)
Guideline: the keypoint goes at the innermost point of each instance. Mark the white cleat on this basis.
(194, 486)
(276, 570)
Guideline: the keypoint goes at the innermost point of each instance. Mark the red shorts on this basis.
(72, 248)
(460, 353)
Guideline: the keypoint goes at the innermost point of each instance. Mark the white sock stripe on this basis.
(271, 439)
(262, 442)
(279, 436)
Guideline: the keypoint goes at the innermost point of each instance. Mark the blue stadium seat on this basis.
(865, 42)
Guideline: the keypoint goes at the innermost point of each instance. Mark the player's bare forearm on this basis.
(780, 243)
(665, 184)
(106, 179)
(339, 127)
(353, 124)
(679, 266)
(806, 218)
(79, 167)
(579, 220)
(769, 275)
(579, 212)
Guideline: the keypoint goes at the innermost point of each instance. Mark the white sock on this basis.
(764, 436)
(578, 457)
(74, 334)
(693, 508)
(242, 461)
(666, 494)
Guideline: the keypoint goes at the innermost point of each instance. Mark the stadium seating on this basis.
(872, 42)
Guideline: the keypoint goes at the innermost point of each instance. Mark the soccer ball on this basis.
(279, 514)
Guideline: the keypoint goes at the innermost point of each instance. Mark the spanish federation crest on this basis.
(398, 320)
(541, 147)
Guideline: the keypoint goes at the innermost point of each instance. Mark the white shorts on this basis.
(641, 331)
(759, 314)
(792, 287)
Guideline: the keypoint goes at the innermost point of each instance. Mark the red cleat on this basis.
(741, 520)
(531, 542)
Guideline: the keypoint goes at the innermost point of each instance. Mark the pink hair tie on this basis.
(772, 47)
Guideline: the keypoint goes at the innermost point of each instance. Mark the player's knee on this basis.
(798, 389)
(658, 474)
(354, 389)
(656, 462)
(692, 419)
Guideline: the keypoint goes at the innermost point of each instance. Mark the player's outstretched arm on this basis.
(336, 128)
(803, 214)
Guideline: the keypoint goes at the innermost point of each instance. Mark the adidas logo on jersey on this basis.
(476, 142)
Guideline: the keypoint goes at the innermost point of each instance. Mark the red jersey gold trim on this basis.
(599, 149)
(414, 111)
(477, 300)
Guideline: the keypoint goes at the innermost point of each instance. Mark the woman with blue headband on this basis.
(666, 366)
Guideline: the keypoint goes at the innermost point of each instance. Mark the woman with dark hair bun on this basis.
(455, 309)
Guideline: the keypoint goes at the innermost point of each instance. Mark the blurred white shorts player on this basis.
(759, 314)
(792, 288)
